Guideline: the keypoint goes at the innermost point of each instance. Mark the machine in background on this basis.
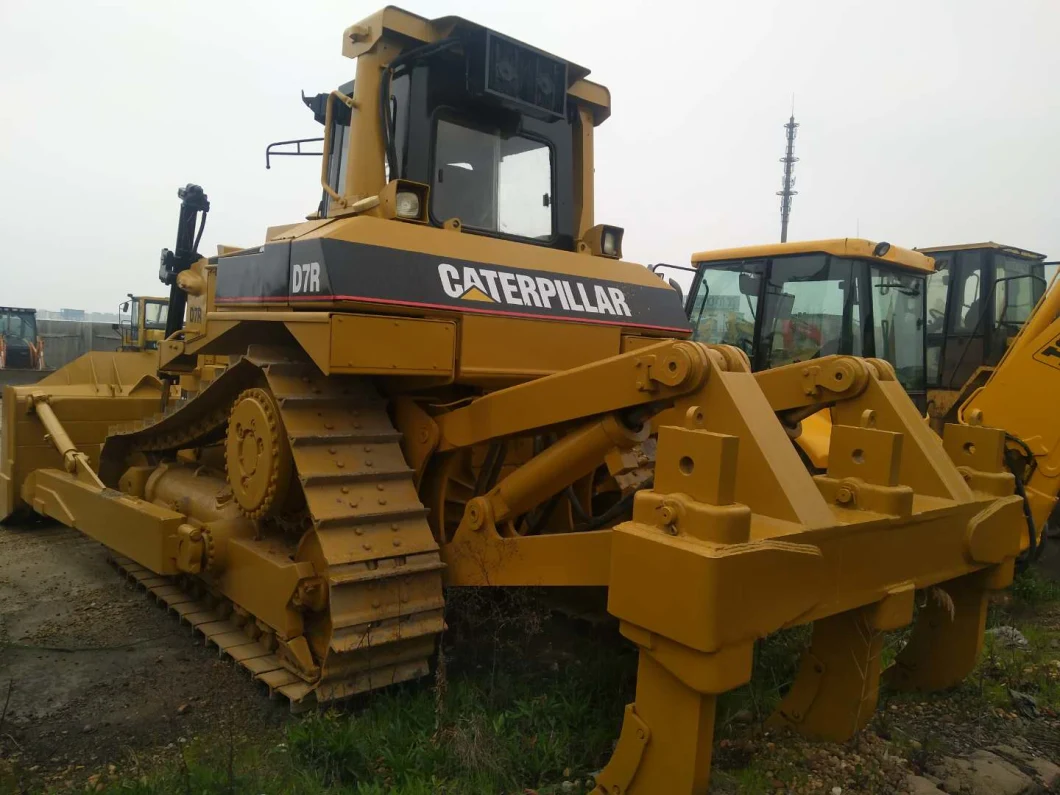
(142, 322)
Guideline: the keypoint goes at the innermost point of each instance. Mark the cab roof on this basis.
(1013, 250)
(852, 247)
(414, 29)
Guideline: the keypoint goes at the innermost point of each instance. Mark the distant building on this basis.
(77, 315)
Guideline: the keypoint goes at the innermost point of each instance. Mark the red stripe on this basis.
(263, 300)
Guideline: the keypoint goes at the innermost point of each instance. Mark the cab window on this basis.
(938, 285)
(155, 314)
(898, 305)
(811, 310)
(967, 308)
(722, 312)
(491, 181)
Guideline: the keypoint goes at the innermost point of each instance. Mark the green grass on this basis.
(530, 700)
(1031, 588)
(511, 713)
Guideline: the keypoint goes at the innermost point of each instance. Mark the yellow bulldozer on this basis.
(449, 377)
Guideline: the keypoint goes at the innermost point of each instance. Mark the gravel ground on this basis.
(92, 671)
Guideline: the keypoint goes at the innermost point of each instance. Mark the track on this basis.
(365, 532)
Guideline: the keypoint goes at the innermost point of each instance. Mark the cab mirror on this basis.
(750, 284)
(125, 307)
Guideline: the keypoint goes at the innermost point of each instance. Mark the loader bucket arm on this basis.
(1019, 398)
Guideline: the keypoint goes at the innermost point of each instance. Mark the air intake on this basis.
(520, 75)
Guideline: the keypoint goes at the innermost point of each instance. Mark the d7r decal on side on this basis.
(1049, 353)
(305, 278)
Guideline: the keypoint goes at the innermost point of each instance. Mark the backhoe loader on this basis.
(449, 377)
(979, 297)
(21, 347)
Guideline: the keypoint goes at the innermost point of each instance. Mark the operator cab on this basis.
(978, 298)
(792, 302)
(484, 132)
(142, 322)
(18, 338)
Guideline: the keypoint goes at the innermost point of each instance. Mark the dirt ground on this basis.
(93, 672)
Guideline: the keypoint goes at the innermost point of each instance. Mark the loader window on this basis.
(19, 326)
(1018, 284)
(812, 309)
(492, 182)
(964, 319)
(938, 285)
(964, 348)
(898, 305)
(155, 314)
(725, 304)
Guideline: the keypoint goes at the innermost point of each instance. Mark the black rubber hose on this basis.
(1032, 545)
(619, 508)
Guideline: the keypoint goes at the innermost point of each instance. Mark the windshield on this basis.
(726, 300)
(898, 307)
(812, 310)
(19, 326)
(1020, 283)
(155, 314)
(492, 182)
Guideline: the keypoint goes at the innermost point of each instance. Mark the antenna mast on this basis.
(789, 160)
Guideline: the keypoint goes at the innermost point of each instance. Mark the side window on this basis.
(811, 310)
(524, 188)
(898, 314)
(338, 149)
(967, 308)
(938, 285)
(725, 306)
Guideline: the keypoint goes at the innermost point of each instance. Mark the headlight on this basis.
(881, 249)
(611, 242)
(407, 204)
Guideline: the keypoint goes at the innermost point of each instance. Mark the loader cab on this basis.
(468, 130)
(978, 298)
(20, 346)
(794, 302)
(142, 322)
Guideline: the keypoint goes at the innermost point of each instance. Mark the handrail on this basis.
(325, 150)
(269, 153)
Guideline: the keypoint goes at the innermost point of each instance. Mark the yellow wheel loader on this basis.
(448, 377)
(796, 302)
(826, 285)
(142, 322)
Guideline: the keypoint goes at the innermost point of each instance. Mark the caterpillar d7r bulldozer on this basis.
(448, 377)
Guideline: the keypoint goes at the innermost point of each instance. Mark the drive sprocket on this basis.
(257, 455)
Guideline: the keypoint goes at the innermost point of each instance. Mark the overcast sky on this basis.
(922, 123)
